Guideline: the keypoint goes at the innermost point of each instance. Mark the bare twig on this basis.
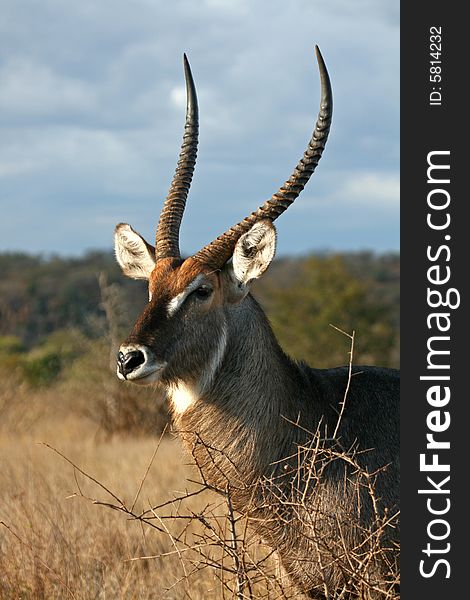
(346, 391)
(87, 475)
(148, 467)
(220, 539)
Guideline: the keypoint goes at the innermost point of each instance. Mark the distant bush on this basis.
(41, 367)
(322, 292)
(44, 364)
(10, 344)
(91, 388)
(11, 349)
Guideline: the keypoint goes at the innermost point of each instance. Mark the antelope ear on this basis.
(254, 252)
(135, 256)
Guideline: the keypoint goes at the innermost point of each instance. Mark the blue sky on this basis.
(92, 111)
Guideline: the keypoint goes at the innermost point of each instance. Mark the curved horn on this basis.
(221, 249)
(167, 237)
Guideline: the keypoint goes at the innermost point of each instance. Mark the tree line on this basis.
(40, 297)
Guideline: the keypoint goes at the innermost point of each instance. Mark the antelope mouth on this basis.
(137, 364)
(144, 379)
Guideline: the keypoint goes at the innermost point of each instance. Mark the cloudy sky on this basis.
(92, 111)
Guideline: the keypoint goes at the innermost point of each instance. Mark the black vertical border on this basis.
(425, 128)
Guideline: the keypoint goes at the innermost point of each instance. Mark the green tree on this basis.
(42, 365)
(324, 293)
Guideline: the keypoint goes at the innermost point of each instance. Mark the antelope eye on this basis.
(202, 292)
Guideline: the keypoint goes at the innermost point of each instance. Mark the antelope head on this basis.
(181, 334)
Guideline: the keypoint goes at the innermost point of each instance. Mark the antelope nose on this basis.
(129, 361)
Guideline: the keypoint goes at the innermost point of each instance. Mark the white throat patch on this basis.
(182, 397)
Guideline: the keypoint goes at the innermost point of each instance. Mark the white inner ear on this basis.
(135, 256)
(254, 251)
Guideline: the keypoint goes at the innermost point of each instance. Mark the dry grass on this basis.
(105, 517)
(54, 542)
(56, 546)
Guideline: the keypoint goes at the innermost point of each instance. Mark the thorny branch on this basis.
(218, 538)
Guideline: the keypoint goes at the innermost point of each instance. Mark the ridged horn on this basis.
(167, 236)
(221, 249)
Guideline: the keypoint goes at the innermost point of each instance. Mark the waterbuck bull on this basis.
(247, 411)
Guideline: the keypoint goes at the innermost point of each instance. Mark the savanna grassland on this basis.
(79, 475)
(57, 545)
(57, 541)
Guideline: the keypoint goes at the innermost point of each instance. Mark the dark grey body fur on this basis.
(249, 414)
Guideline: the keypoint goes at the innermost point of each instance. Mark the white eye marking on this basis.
(175, 303)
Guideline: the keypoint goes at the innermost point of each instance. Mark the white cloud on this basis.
(230, 7)
(92, 104)
(18, 167)
(379, 190)
(178, 96)
(31, 89)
